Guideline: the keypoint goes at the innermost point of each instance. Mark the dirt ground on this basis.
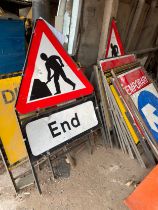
(98, 182)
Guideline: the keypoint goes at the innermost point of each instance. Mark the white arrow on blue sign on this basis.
(146, 101)
(152, 118)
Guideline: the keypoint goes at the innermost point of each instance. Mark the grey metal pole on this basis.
(41, 8)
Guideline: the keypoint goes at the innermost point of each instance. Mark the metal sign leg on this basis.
(35, 177)
(9, 173)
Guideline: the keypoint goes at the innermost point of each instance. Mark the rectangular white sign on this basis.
(48, 132)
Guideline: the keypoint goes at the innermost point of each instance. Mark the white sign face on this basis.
(48, 132)
(114, 45)
(52, 74)
(114, 49)
(150, 88)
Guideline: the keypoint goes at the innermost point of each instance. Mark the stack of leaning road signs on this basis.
(131, 99)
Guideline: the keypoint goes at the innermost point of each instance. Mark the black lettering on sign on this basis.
(75, 121)
(65, 123)
(53, 129)
(8, 96)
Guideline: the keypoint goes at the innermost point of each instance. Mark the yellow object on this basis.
(10, 132)
(123, 111)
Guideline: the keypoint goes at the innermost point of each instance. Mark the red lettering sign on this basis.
(134, 80)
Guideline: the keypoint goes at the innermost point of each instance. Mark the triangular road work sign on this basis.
(50, 76)
(114, 43)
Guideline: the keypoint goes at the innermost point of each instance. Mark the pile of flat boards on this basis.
(128, 101)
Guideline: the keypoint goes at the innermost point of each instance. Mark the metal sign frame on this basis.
(11, 165)
(120, 127)
(104, 109)
(62, 147)
(150, 158)
(148, 136)
(124, 137)
(9, 168)
(56, 110)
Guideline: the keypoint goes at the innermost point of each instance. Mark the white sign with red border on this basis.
(50, 75)
(114, 44)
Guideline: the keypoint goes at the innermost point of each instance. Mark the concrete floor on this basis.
(98, 182)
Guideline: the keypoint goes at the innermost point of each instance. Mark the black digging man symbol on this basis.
(40, 89)
(114, 50)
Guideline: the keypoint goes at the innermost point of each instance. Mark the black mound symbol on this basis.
(39, 90)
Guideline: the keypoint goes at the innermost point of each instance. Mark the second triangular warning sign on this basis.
(50, 75)
(114, 43)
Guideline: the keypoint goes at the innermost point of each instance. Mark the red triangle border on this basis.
(21, 105)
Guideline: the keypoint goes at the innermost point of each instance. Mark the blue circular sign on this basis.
(149, 101)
